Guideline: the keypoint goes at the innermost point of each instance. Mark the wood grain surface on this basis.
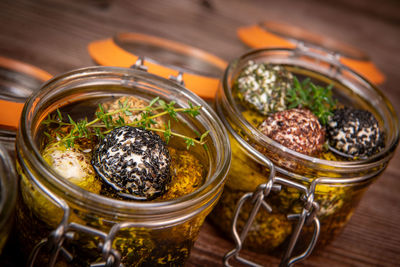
(54, 34)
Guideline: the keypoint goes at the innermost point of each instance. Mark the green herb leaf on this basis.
(189, 142)
(69, 131)
(167, 132)
(152, 102)
(59, 115)
(316, 98)
(204, 135)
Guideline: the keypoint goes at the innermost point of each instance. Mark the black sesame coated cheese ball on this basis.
(355, 132)
(297, 129)
(134, 161)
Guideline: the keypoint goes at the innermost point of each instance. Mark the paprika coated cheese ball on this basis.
(297, 129)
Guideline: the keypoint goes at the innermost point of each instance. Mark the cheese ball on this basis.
(132, 102)
(72, 164)
(264, 87)
(133, 161)
(297, 129)
(355, 132)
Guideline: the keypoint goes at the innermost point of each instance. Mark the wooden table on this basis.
(54, 34)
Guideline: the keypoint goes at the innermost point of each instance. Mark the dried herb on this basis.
(264, 86)
(316, 98)
(104, 122)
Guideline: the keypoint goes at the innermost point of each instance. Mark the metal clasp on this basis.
(139, 64)
(66, 231)
(257, 198)
(111, 257)
(178, 79)
(320, 54)
(307, 216)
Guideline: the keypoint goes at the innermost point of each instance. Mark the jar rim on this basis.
(74, 193)
(227, 100)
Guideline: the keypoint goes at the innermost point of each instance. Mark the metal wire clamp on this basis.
(307, 216)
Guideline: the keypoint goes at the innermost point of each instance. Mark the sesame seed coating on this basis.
(355, 132)
(297, 129)
(134, 162)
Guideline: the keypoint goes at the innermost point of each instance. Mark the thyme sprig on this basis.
(317, 99)
(69, 130)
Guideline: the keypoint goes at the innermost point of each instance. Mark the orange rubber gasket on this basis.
(108, 53)
(10, 111)
(256, 36)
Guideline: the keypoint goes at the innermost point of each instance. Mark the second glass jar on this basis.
(290, 183)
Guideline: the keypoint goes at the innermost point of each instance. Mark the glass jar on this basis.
(56, 217)
(277, 200)
(8, 195)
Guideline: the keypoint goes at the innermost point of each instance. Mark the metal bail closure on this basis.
(307, 216)
(310, 52)
(200, 70)
(66, 231)
(139, 64)
(178, 79)
(257, 199)
(270, 34)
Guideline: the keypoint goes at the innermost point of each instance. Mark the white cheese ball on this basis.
(73, 165)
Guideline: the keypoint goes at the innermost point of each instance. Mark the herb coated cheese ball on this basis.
(264, 87)
(297, 129)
